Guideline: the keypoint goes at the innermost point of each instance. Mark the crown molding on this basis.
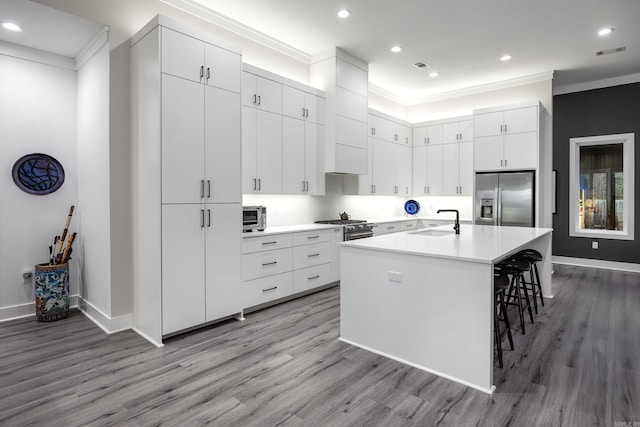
(99, 40)
(35, 55)
(194, 8)
(596, 84)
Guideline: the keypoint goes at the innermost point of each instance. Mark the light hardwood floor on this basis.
(578, 365)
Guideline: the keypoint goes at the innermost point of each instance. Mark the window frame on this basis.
(628, 162)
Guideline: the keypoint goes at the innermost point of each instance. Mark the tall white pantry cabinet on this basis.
(186, 178)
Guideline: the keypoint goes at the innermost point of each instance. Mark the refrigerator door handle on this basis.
(498, 199)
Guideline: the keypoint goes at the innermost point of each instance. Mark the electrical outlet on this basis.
(27, 275)
(395, 276)
(594, 245)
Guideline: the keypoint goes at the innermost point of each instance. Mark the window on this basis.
(601, 186)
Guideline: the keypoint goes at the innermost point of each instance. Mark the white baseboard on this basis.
(596, 263)
(146, 337)
(27, 310)
(107, 323)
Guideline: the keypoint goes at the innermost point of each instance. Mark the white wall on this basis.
(93, 188)
(37, 114)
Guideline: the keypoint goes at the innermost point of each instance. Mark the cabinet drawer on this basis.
(312, 277)
(408, 225)
(260, 291)
(308, 255)
(265, 243)
(261, 264)
(308, 237)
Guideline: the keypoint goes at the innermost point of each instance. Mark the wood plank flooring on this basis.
(284, 366)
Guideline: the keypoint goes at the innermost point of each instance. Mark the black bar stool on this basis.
(500, 286)
(533, 285)
(516, 267)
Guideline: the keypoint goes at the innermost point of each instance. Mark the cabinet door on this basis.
(351, 105)
(293, 151)
(434, 170)
(466, 130)
(365, 181)
(182, 55)
(269, 152)
(222, 68)
(249, 150)
(450, 169)
(314, 158)
(466, 168)
(353, 133)
(336, 238)
(521, 120)
(420, 136)
(420, 170)
(434, 134)
(222, 146)
(403, 169)
(404, 134)
(521, 150)
(249, 89)
(182, 140)
(315, 108)
(488, 124)
(383, 129)
(223, 260)
(293, 104)
(487, 153)
(450, 133)
(383, 177)
(350, 77)
(183, 267)
(269, 95)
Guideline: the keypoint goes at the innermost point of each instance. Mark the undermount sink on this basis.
(435, 233)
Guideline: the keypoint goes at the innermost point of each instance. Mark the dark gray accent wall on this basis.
(590, 113)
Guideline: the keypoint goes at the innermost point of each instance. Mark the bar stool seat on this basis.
(516, 267)
(533, 285)
(500, 286)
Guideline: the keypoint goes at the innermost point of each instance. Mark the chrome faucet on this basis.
(456, 227)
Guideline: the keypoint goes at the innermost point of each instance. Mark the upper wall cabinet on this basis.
(507, 138)
(428, 134)
(344, 79)
(192, 59)
(389, 130)
(261, 93)
(458, 131)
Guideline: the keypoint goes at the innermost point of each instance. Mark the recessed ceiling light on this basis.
(396, 49)
(344, 13)
(605, 31)
(505, 57)
(434, 74)
(11, 26)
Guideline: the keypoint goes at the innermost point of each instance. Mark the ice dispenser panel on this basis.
(486, 208)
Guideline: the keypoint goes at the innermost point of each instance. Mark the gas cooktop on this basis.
(341, 221)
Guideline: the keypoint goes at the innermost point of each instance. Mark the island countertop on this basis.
(476, 243)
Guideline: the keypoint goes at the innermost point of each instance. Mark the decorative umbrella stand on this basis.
(52, 291)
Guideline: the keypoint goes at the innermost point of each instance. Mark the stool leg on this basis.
(505, 319)
(526, 297)
(535, 270)
(496, 333)
(533, 288)
(516, 280)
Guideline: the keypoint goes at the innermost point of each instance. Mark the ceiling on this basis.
(461, 39)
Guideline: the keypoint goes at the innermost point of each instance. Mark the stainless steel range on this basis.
(352, 228)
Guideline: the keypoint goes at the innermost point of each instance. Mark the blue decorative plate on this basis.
(38, 174)
(411, 207)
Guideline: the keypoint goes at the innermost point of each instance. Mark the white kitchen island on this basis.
(425, 297)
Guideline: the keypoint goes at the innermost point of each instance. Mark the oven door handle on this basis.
(361, 235)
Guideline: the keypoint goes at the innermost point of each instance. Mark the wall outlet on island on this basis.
(594, 245)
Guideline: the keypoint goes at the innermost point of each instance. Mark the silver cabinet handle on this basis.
(313, 237)
(390, 228)
(269, 263)
(201, 71)
(255, 184)
(425, 189)
(426, 140)
(259, 184)
(269, 243)
(501, 126)
(317, 276)
(202, 188)
(428, 190)
(208, 73)
(270, 289)
(303, 112)
(505, 163)
(395, 137)
(501, 163)
(208, 217)
(259, 100)
(505, 128)
(208, 188)
(406, 190)
(255, 98)
(201, 218)
(312, 255)
(303, 186)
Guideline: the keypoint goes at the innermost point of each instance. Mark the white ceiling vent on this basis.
(422, 65)
(610, 51)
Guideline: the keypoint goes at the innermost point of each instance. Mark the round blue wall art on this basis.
(38, 174)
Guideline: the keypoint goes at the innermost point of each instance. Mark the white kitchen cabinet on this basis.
(458, 131)
(434, 170)
(507, 138)
(389, 130)
(403, 168)
(193, 59)
(380, 228)
(261, 151)
(261, 93)
(429, 134)
(344, 79)
(311, 277)
(337, 236)
(419, 170)
(302, 140)
(383, 167)
(457, 169)
(265, 289)
(302, 105)
(186, 204)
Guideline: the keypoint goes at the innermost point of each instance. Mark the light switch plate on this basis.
(594, 245)
(395, 276)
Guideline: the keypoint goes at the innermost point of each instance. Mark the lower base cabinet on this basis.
(276, 266)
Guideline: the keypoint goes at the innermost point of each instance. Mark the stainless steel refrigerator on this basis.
(505, 198)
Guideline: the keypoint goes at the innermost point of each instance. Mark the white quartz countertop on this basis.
(414, 218)
(283, 229)
(475, 243)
